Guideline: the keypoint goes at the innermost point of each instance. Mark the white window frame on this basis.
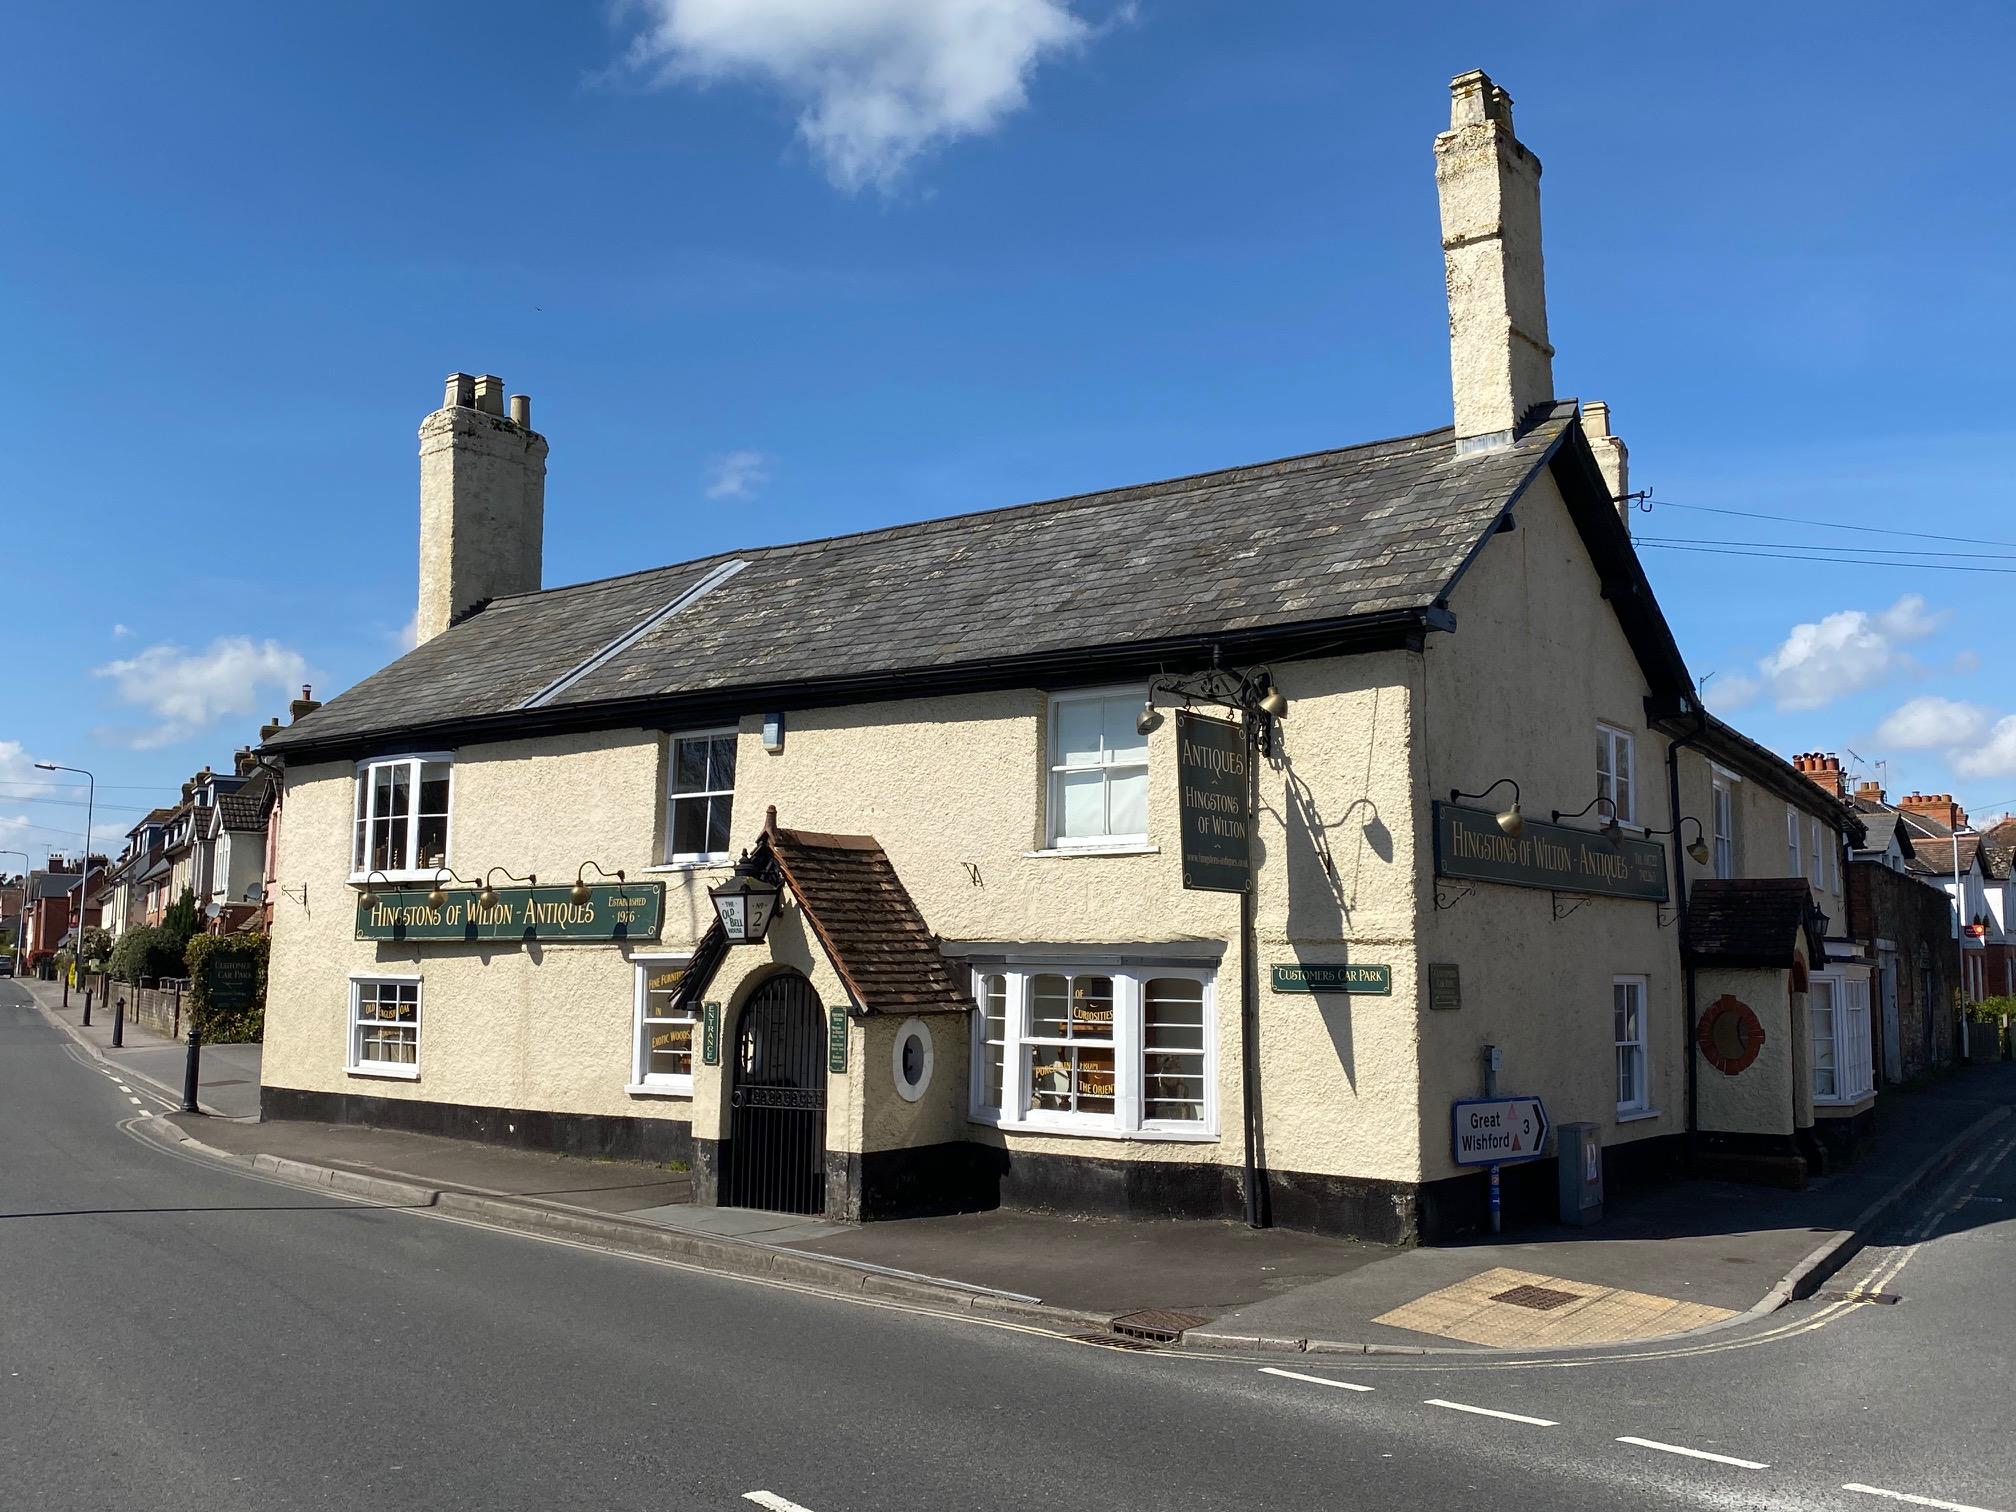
(1819, 856)
(673, 795)
(1610, 739)
(1792, 841)
(1053, 784)
(1129, 1054)
(353, 1062)
(362, 816)
(1849, 1042)
(641, 1079)
(1640, 1047)
(1722, 801)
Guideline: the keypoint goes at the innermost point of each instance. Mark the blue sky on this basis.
(778, 268)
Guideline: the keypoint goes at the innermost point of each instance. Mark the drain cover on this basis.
(1110, 1341)
(1539, 1298)
(1160, 1325)
(1883, 1298)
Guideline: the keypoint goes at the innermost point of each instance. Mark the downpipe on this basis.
(1687, 989)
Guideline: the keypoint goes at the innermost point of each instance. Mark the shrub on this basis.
(241, 1026)
(96, 948)
(182, 920)
(149, 951)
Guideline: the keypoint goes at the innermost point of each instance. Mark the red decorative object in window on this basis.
(1730, 1036)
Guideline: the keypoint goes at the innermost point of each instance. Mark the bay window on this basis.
(1098, 771)
(384, 1035)
(1837, 1009)
(1096, 1049)
(1615, 776)
(401, 817)
(662, 1057)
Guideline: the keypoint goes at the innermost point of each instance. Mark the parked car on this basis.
(6, 965)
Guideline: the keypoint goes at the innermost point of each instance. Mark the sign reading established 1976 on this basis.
(1337, 977)
(630, 911)
(1211, 777)
(1469, 843)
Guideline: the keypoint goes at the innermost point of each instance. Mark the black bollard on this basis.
(87, 1007)
(194, 1069)
(66, 989)
(118, 1023)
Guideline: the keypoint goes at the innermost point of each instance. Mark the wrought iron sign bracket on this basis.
(1561, 913)
(1668, 916)
(1455, 897)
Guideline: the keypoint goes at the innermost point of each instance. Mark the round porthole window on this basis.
(910, 1059)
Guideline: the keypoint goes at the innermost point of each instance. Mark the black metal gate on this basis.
(777, 1106)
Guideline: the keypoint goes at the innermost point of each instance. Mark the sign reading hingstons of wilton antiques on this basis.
(631, 911)
(1324, 977)
(836, 1040)
(1469, 843)
(1211, 776)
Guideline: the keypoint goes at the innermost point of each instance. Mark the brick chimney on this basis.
(482, 501)
(1870, 792)
(303, 706)
(1936, 806)
(1612, 457)
(1823, 771)
(1500, 362)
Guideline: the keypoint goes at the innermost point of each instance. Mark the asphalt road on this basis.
(175, 1335)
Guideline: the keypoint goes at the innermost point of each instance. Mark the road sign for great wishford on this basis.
(1499, 1130)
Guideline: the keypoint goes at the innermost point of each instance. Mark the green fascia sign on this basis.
(626, 911)
(230, 983)
(1211, 776)
(1334, 977)
(1469, 845)
(836, 1040)
(710, 1034)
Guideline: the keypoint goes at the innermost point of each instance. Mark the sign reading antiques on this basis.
(630, 911)
(1468, 843)
(1321, 977)
(1211, 775)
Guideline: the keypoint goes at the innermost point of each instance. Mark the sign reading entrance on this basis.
(836, 1040)
(710, 1034)
(629, 911)
(1468, 843)
(1211, 776)
(1318, 977)
(1499, 1130)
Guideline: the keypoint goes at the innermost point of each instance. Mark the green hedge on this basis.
(245, 1026)
(147, 952)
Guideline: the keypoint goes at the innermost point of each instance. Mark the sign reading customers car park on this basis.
(1499, 1130)
(631, 911)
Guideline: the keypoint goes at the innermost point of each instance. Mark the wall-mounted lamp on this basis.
(1150, 717)
(1697, 848)
(773, 733)
(370, 874)
(1609, 829)
(746, 902)
(488, 896)
(1271, 703)
(1510, 820)
(437, 894)
(580, 892)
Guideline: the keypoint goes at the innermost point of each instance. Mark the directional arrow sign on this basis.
(1499, 1130)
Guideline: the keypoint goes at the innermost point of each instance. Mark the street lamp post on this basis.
(84, 886)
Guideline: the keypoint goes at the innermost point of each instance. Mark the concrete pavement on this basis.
(228, 1084)
(181, 1335)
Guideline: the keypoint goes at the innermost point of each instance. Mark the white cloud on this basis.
(187, 691)
(1845, 653)
(738, 475)
(1730, 690)
(120, 632)
(407, 636)
(17, 771)
(876, 82)
(1993, 757)
(1932, 723)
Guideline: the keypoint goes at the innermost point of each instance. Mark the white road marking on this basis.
(773, 1501)
(124, 1088)
(1720, 1459)
(134, 1100)
(1916, 1501)
(1296, 1375)
(1510, 1417)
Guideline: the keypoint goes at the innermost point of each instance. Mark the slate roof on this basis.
(1748, 921)
(864, 916)
(246, 808)
(1340, 536)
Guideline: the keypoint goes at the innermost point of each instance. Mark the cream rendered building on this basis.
(953, 745)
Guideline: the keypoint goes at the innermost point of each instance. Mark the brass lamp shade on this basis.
(1511, 821)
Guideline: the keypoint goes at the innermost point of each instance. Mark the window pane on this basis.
(1172, 1011)
(689, 826)
(718, 826)
(1627, 1076)
(1078, 727)
(1127, 803)
(689, 766)
(1123, 741)
(1083, 806)
(993, 1034)
(1091, 1008)
(721, 763)
(668, 1045)
(1173, 1050)
(1047, 997)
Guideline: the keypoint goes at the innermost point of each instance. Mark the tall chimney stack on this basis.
(1500, 363)
(482, 501)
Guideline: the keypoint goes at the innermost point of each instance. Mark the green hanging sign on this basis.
(613, 911)
(710, 1034)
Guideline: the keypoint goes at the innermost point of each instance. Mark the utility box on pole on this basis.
(1579, 1151)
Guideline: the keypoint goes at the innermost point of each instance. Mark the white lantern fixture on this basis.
(746, 903)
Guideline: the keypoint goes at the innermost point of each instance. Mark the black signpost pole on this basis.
(1249, 1027)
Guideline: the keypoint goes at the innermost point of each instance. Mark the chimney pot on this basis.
(1501, 365)
(521, 410)
(461, 392)
(490, 394)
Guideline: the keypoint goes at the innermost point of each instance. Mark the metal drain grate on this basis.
(1882, 1298)
(1110, 1341)
(1539, 1298)
(1158, 1325)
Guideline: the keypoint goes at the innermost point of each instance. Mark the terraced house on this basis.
(964, 754)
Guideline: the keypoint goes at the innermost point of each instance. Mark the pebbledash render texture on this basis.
(949, 744)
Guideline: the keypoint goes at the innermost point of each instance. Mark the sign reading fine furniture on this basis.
(632, 911)
(1376, 980)
(1468, 843)
(1211, 776)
